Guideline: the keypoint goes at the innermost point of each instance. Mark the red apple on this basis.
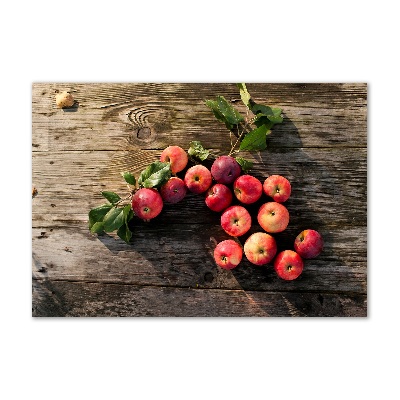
(174, 190)
(288, 265)
(176, 156)
(273, 217)
(225, 169)
(235, 220)
(260, 248)
(147, 203)
(248, 189)
(198, 178)
(228, 254)
(308, 244)
(277, 187)
(218, 197)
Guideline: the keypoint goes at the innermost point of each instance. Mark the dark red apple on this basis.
(218, 197)
(248, 189)
(288, 265)
(308, 244)
(225, 169)
(174, 190)
(147, 203)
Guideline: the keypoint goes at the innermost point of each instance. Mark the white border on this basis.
(207, 42)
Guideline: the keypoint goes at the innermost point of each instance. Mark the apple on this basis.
(198, 179)
(288, 265)
(235, 221)
(308, 243)
(228, 254)
(273, 217)
(225, 169)
(260, 248)
(248, 189)
(174, 190)
(218, 197)
(277, 187)
(176, 156)
(147, 203)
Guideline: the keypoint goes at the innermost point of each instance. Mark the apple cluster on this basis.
(220, 185)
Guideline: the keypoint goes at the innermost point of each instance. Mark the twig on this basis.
(237, 140)
(126, 198)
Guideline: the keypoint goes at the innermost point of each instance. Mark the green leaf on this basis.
(97, 214)
(246, 165)
(244, 94)
(197, 150)
(262, 119)
(130, 216)
(214, 107)
(97, 227)
(255, 140)
(261, 109)
(227, 110)
(128, 213)
(111, 197)
(124, 233)
(129, 178)
(155, 175)
(114, 219)
(276, 118)
(265, 114)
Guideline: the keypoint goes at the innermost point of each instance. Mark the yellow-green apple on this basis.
(247, 188)
(308, 243)
(225, 169)
(260, 248)
(147, 203)
(235, 221)
(218, 197)
(174, 190)
(198, 178)
(228, 254)
(176, 156)
(288, 265)
(273, 217)
(277, 187)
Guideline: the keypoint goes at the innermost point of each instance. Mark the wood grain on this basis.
(182, 256)
(168, 270)
(77, 299)
(152, 116)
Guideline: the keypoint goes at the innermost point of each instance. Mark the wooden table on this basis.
(169, 270)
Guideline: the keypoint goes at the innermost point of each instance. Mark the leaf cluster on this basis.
(264, 118)
(115, 215)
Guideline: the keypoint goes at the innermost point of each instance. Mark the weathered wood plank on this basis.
(111, 116)
(321, 148)
(182, 255)
(329, 185)
(78, 299)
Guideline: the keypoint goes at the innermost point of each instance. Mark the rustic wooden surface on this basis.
(168, 270)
